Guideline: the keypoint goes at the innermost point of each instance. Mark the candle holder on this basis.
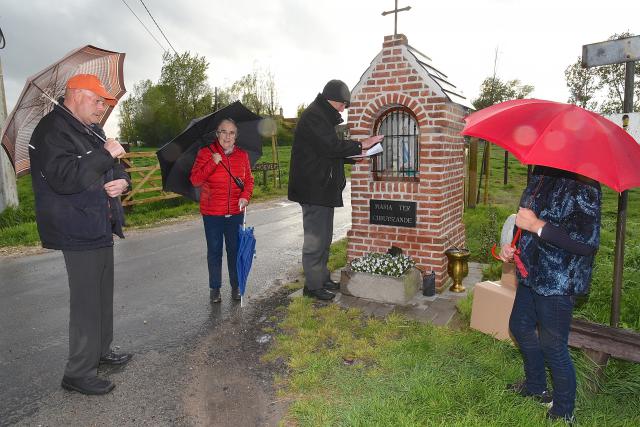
(458, 267)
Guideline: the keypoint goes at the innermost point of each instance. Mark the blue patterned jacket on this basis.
(561, 199)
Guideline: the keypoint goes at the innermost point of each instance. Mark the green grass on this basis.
(345, 369)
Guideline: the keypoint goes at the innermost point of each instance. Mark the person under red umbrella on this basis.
(559, 217)
(223, 173)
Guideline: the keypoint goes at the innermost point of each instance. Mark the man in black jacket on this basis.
(77, 184)
(316, 180)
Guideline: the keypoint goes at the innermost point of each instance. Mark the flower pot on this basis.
(376, 287)
(458, 267)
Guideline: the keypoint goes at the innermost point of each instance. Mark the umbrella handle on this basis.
(244, 218)
(493, 252)
(516, 237)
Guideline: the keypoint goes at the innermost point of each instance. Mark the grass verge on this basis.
(346, 369)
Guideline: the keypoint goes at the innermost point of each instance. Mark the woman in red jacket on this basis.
(222, 201)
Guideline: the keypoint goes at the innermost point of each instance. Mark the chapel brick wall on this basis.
(438, 193)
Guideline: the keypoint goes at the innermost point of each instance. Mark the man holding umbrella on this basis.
(77, 183)
(316, 180)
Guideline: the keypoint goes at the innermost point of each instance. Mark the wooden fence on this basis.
(146, 179)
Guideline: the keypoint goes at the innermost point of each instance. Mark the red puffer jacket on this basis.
(219, 195)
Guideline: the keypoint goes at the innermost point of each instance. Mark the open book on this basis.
(370, 152)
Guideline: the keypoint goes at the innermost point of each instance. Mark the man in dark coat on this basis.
(77, 184)
(316, 180)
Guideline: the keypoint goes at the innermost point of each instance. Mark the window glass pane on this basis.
(399, 158)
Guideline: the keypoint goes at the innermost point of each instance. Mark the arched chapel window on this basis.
(399, 159)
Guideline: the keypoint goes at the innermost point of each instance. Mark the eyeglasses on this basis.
(230, 134)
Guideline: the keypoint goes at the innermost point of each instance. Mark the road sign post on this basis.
(627, 51)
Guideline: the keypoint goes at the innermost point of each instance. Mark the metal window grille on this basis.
(399, 159)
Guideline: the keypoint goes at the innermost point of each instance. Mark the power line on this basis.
(145, 27)
(161, 32)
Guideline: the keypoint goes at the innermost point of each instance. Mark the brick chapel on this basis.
(411, 195)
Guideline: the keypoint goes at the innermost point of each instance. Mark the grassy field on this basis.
(346, 369)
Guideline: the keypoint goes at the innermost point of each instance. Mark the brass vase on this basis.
(458, 267)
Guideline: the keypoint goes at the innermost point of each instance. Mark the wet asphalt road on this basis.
(160, 304)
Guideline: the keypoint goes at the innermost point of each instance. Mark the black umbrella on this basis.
(178, 155)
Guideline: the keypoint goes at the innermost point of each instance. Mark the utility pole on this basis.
(8, 187)
(622, 51)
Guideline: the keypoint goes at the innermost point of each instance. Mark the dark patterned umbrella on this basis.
(33, 104)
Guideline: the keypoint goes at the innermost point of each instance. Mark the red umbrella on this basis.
(33, 104)
(562, 136)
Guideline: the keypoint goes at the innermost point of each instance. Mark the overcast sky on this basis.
(307, 42)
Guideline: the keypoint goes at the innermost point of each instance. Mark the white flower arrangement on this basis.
(384, 264)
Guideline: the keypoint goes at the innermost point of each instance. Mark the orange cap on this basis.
(92, 83)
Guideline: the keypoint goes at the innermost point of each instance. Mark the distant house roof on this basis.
(428, 72)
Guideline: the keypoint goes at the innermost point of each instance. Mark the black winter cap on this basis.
(337, 90)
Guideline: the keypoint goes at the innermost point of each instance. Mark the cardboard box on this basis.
(508, 277)
(492, 304)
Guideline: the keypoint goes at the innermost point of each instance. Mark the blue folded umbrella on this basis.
(246, 251)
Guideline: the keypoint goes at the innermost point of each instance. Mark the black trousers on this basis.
(318, 233)
(90, 275)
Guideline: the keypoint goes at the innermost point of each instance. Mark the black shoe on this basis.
(321, 294)
(235, 294)
(214, 295)
(113, 358)
(545, 397)
(331, 285)
(569, 420)
(90, 385)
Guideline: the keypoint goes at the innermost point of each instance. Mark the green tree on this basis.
(583, 84)
(612, 81)
(131, 110)
(221, 98)
(184, 77)
(126, 122)
(493, 91)
(300, 109)
(155, 113)
(245, 90)
(257, 91)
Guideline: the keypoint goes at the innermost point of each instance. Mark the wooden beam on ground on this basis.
(619, 343)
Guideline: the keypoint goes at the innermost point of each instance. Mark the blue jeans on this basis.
(540, 325)
(217, 227)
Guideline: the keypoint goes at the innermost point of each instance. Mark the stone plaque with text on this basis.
(392, 212)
